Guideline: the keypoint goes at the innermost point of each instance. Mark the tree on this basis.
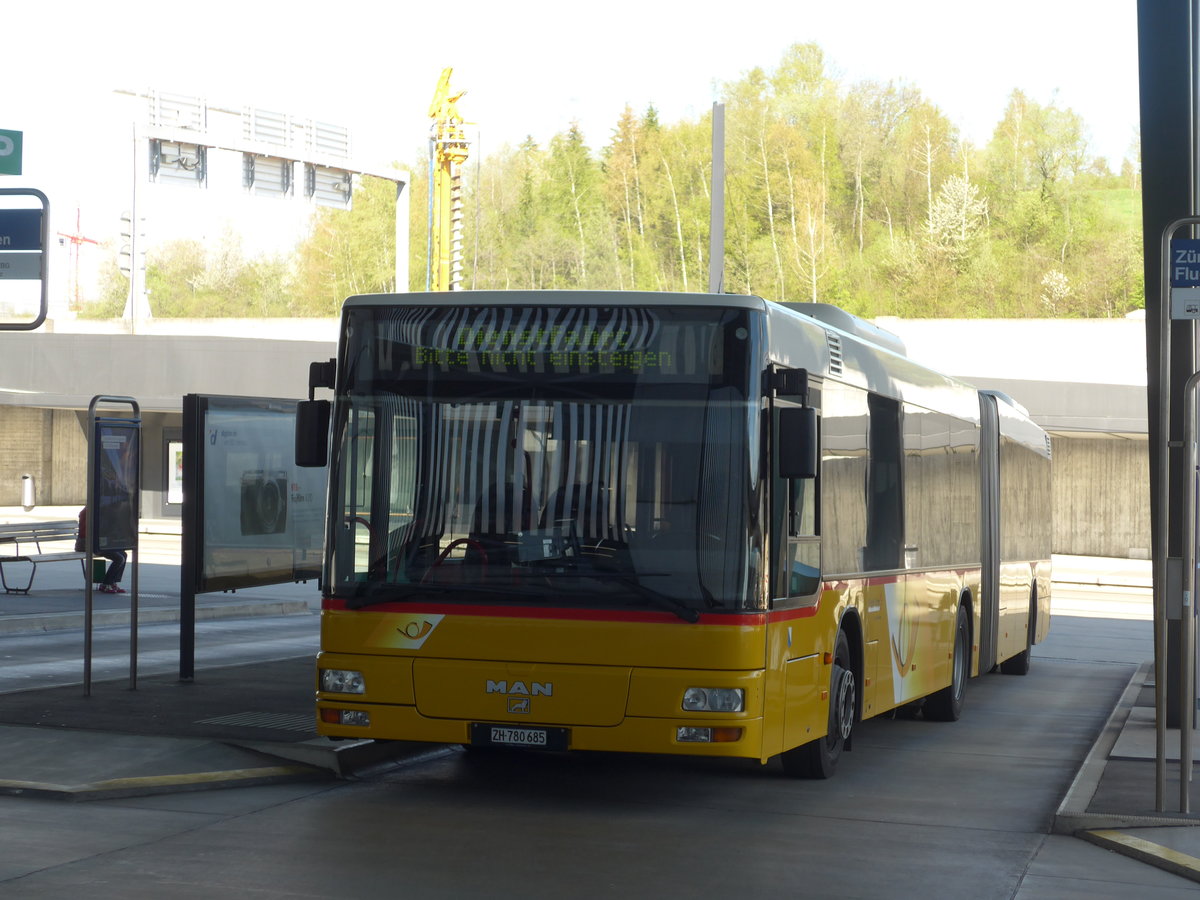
(573, 195)
(956, 218)
(349, 251)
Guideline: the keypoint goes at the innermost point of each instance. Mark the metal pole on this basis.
(1161, 525)
(135, 555)
(133, 239)
(192, 450)
(1187, 632)
(429, 223)
(716, 212)
(1162, 522)
(89, 518)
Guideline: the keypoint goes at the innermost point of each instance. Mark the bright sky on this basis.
(531, 66)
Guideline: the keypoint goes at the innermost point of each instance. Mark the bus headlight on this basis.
(690, 734)
(697, 699)
(359, 718)
(342, 681)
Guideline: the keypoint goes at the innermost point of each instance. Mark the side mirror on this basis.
(312, 433)
(798, 448)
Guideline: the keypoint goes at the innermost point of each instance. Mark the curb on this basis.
(41, 622)
(1072, 816)
(1175, 861)
(161, 784)
(1109, 830)
(349, 759)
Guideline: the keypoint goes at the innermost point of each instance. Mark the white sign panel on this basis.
(20, 266)
(1185, 303)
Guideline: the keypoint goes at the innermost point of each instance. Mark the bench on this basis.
(20, 535)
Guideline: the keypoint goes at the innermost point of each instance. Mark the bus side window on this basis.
(802, 507)
(797, 470)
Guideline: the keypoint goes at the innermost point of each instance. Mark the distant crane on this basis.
(77, 239)
(448, 149)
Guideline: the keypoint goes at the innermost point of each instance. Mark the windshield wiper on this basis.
(689, 614)
(375, 592)
(657, 598)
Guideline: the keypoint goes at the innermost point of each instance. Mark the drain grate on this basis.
(277, 721)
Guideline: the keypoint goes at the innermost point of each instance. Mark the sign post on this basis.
(1180, 277)
(113, 510)
(23, 240)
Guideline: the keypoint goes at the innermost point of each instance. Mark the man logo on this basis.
(520, 688)
(518, 705)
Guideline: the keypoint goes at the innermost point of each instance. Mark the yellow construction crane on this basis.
(448, 151)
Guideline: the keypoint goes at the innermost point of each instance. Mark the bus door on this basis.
(989, 495)
(795, 577)
(894, 598)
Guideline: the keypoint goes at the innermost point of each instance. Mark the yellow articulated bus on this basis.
(661, 523)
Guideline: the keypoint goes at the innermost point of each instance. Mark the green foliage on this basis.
(863, 195)
(348, 251)
(114, 290)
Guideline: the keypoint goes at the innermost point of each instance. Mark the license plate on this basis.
(486, 735)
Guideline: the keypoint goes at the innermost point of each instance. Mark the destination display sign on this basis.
(555, 347)
(555, 340)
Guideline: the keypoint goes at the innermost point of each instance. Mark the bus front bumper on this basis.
(713, 736)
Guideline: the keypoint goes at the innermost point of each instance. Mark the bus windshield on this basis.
(565, 455)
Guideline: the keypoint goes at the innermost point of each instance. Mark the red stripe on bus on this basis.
(580, 615)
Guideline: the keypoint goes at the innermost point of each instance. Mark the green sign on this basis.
(10, 152)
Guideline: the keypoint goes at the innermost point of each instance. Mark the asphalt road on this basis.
(918, 809)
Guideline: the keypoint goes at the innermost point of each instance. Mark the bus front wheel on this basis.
(819, 758)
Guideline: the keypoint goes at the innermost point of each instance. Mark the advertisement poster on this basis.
(115, 490)
(175, 471)
(263, 517)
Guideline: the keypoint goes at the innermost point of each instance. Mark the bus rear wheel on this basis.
(819, 758)
(947, 704)
(1019, 664)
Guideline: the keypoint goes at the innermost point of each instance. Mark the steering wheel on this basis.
(461, 542)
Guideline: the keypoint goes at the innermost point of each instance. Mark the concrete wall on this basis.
(47, 444)
(157, 429)
(1101, 484)
(51, 445)
(1102, 496)
(68, 468)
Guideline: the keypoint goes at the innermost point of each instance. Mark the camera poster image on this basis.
(263, 518)
(264, 502)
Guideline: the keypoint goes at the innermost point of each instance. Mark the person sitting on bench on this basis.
(110, 584)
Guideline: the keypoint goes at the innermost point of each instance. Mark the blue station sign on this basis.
(1185, 262)
(21, 229)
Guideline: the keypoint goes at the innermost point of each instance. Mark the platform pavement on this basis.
(220, 729)
(175, 736)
